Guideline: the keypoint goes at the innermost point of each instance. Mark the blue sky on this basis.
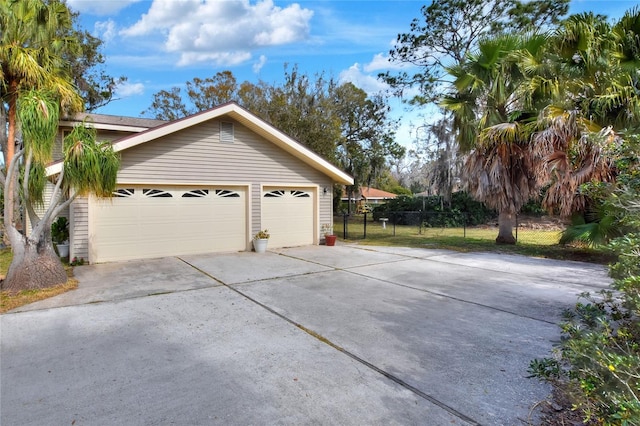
(160, 44)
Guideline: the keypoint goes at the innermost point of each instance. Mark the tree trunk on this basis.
(506, 221)
(34, 266)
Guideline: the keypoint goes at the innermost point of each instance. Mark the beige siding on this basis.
(79, 229)
(197, 155)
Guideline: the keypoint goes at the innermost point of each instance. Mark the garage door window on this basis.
(300, 194)
(124, 193)
(227, 193)
(156, 193)
(281, 193)
(196, 193)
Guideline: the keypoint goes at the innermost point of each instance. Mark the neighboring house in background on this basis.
(366, 197)
(204, 183)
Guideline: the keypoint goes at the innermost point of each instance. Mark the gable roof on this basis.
(375, 193)
(246, 118)
(111, 122)
(368, 193)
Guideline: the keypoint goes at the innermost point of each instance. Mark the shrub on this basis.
(435, 213)
(598, 361)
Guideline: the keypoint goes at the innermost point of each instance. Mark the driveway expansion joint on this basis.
(344, 351)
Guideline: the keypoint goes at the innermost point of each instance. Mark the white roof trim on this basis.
(102, 126)
(240, 114)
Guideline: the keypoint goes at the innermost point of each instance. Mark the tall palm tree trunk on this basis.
(506, 222)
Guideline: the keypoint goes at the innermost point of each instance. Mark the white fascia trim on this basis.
(100, 126)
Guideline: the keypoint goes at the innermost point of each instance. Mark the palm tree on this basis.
(89, 168)
(31, 56)
(599, 98)
(494, 112)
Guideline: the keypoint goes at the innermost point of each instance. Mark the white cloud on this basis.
(127, 89)
(105, 30)
(212, 30)
(93, 7)
(258, 65)
(222, 58)
(369, 83)
(381, 62)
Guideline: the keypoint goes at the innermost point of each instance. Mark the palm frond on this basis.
(38, 114)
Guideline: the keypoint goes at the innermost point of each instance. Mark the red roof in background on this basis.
(370, 193)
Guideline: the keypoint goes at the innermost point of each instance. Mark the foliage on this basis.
(598, 360)
(88, 167)
(463, 210)
(60, 230)
(449, 30)
(93, 84)
(262, 235)
(76, 262)
(35, 42)
(606, 216)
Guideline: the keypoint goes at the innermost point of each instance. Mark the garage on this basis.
(289, 215)
(154, 221)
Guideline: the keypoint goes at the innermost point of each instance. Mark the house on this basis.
(367, 196)
(204, 183)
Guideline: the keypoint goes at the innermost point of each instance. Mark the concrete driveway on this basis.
(311, 335)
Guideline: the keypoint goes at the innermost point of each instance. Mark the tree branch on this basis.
(9, 186)
(33, 217)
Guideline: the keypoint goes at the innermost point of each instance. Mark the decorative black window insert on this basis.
(226, 193)
(124, 192)
(300, 194)
(196, 193)
(278, 193)
(156, 193)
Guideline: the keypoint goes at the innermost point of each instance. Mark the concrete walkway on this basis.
(311, 335)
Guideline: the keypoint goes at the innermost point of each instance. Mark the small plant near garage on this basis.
(260, 241)
(262, 235)
(60, 235)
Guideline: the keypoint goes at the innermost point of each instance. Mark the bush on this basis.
(598, 363)
(434, 212)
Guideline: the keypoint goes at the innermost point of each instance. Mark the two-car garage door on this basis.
(149, 221)
(156, 221)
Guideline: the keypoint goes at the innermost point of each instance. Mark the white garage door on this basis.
(148, 221)
(288, 214)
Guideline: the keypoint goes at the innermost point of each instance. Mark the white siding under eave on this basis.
(79, 229)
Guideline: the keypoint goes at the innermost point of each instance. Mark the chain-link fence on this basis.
(438, 224)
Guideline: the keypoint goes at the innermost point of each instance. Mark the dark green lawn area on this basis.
(531, 242)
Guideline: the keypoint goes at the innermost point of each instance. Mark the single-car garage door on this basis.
(288, 214)
(155, 221)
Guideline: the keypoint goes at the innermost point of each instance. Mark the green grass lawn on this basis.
(531, 242)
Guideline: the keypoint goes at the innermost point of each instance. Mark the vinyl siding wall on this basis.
(197, 156)
(79, 229)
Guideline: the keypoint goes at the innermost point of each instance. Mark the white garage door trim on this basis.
(290, 213)
(146, 221)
